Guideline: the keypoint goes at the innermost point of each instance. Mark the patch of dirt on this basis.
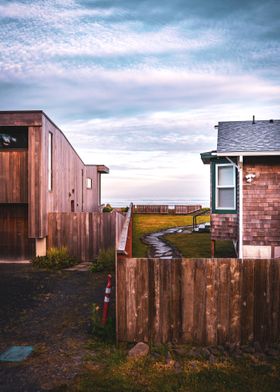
(51, 312)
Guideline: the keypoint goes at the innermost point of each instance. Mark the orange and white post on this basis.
(107, 300)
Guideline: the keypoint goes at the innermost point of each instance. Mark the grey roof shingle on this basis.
(241, 136)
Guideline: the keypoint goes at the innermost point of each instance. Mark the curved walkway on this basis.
(161, 249)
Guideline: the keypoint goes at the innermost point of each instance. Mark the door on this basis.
(14, 241)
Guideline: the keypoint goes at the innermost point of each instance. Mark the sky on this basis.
(140, 85)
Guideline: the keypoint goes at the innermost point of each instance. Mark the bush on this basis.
(124, 209)
(56, 258)
(105, 260)
(108, 208)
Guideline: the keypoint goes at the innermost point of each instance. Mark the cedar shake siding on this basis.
(224, 227)
(261, 202)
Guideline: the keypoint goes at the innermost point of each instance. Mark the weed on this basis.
(56, 258)
(105, 333)
(105, 261)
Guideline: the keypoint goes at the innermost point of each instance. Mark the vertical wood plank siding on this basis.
(84, 233)
(203, 301)
(13, 177)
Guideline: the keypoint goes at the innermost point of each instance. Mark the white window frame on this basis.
(217, 187)
(50, 162)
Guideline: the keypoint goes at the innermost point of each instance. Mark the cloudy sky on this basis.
(139, 85)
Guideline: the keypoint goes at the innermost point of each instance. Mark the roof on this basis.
(246, 136)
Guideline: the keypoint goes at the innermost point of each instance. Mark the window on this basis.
(225, 187)
(50, 162)
(89, 183)
(13, 138)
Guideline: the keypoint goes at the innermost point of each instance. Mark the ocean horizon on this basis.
(171, 202)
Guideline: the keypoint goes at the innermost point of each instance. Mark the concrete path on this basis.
(159, 247)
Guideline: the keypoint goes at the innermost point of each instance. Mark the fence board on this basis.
(204, 301)
(84, 233)
(188, 271)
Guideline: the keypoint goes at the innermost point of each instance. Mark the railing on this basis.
(166, 209)
(124, 245)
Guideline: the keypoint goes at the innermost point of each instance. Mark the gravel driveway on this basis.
(50, 311)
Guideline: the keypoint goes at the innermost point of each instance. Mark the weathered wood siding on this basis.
(13, 176)
(84, 233)
(203, 301)
(69, 175)
(14, 241)
(29, 180)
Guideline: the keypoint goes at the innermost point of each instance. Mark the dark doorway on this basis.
(14, 241)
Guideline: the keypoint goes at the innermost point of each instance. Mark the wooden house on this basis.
(40, 172)
(245, 187)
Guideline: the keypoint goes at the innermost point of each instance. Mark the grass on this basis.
(109, 369)
(148, 223)
(199, 245)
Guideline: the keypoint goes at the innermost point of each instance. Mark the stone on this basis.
(139, 350)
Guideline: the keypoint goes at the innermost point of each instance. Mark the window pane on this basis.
(226, 198)
(13, 137)
(89, 183)
(225, 175)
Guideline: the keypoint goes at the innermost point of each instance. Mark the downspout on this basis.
(240, 172)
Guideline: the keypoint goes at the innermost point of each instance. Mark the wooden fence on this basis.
(165, 209)
(202, 301)
(84, 233)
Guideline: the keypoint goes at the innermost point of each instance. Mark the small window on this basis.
(50, 162)
(89, 183)
(13, 138)
(225, 187)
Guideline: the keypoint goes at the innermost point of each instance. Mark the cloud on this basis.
(139, 85)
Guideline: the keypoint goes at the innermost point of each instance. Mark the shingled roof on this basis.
(246, 136)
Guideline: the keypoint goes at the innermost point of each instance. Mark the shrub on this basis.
(56, 258)
(105, 260)
(108, 208)
(124, 209)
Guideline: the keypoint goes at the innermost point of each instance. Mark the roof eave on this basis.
(207, 156)
(247, 153)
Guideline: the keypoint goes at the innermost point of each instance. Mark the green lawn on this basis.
(148, 223)
(199, 245)
(109, 369)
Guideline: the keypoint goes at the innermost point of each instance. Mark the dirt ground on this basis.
(50, 311)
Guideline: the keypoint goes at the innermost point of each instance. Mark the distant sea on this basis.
(170, 202)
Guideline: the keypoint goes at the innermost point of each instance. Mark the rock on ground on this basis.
(139, 350)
